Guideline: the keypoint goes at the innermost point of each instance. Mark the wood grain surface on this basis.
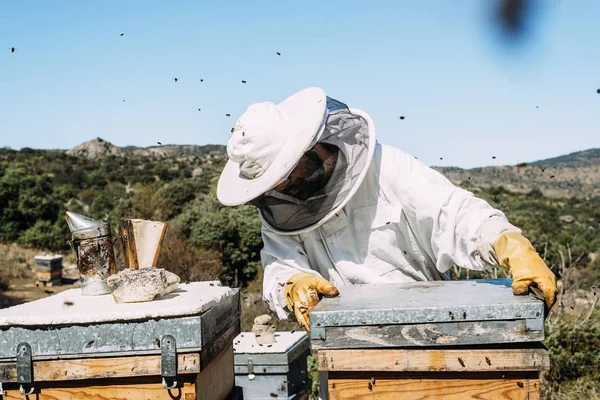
(213, 383)
(128, 242)
(142, 391)
(99, 368)
(507, 359)
(455, 389)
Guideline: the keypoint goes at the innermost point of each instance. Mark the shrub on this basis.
(574, 356)
(47, 235)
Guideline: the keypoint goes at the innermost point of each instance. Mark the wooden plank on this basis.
(99, 368)
(457, 389)
(147, 391)
(49, 275)
(214, 383)
(217, 380)
(427, 335)
(507, 359)
(128, 242)
(160, 240)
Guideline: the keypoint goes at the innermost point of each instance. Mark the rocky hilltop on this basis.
(572, 175)
(97, 148)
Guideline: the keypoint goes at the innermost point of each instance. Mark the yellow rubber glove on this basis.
(517, 256)
(303, 291)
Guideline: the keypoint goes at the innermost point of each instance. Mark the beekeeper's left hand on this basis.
(303, 291)
(517, 256)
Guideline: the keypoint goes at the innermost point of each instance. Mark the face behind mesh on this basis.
(314, 199)
(311, 174)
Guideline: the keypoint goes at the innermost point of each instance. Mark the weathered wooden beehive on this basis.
(74, 346)
(278, 370)
(48, 269)
(450, 339)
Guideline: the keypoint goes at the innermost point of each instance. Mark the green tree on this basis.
(233, 231)
(24, 200)
(162, 170)
(45, 234)
(171, 198)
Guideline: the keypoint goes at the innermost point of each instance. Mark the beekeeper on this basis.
(338, 208)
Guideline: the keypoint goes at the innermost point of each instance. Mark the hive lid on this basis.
(48, 257)
(425, 302)
(70, 307)
(288, 347)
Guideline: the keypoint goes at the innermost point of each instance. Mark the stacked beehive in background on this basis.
(48, 269)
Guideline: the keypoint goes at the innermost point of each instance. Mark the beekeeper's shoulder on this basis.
(393, 161)
(398, 172)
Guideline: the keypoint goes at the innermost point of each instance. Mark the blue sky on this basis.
(466, 94)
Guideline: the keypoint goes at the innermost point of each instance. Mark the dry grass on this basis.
(15, 263)
(17, 275)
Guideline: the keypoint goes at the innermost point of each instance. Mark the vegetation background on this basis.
(556, 202)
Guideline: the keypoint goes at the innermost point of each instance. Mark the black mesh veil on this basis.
(349, 134)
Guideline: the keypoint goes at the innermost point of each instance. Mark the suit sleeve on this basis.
(452, 223)
(282, 257)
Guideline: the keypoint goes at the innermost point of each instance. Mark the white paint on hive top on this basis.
(71, 308)
(245, 343)
(48, 257)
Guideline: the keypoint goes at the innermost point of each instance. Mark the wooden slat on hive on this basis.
(213, 383)
(390, 388)
(98, 368)
(114, 391)
(457, 360)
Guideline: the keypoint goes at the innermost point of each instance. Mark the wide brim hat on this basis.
(287, 130)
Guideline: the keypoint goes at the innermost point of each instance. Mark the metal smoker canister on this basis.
(93, 246)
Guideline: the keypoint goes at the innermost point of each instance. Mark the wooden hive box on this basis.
(438, 340)
(90, 347)
(48, 269)
(275, 371)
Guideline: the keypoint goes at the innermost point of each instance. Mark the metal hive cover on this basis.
(245, 343)
(425, 302)
(71, 307)
(288, 347)
(69, 324)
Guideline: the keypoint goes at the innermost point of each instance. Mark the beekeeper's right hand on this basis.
(303, 291)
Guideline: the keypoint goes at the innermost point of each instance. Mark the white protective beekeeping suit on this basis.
(406, 222)
(383, 217)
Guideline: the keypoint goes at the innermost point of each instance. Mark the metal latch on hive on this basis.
(168, 362)
(250, 369)
(25, 369)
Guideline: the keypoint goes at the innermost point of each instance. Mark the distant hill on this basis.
(572, 175)
(583, 158)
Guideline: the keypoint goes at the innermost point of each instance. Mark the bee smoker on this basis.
(93, 243)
